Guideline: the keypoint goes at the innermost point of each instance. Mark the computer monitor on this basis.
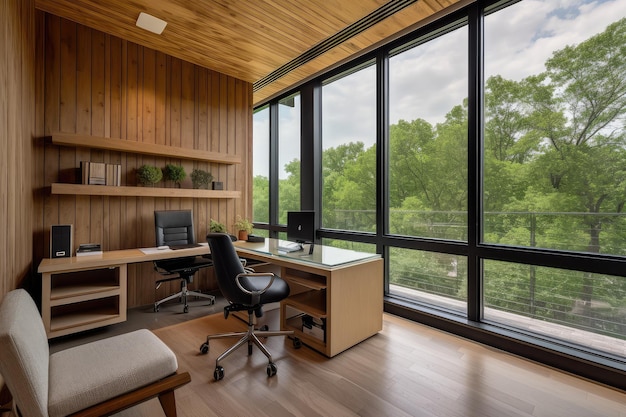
(301, 226)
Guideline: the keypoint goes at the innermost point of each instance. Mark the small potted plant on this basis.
(148, 175)
(175, 173)
(217, 227)
(243, 227)
(200, 178)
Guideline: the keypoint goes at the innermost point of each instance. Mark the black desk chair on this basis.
(174, 228)
(244, 291)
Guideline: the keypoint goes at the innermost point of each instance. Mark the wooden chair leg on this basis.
(168, 403)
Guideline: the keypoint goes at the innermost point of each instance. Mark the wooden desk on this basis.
(342, 288)
(86, 292)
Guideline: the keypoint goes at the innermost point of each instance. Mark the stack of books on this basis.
(87, 249)
(100, 173)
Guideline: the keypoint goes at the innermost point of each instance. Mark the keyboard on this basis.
(187, 246)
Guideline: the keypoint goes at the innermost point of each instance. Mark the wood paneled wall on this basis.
(100, 85)
(17, 132)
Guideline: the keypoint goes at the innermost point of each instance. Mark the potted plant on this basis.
(217, 227)
(175, 173)
(148, 175)
(243, 227)
(200, 178)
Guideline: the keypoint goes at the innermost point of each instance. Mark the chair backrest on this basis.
(227, 266)
(24, 353)
(174, 227)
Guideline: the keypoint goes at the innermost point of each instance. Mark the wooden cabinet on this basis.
(345, 297)
(82, 293)
(348, 300)
(83, 299)
(120, 145)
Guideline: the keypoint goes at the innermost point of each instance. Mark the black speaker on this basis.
(60, 240)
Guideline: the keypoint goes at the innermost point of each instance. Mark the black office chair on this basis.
(174, 228)
(244, 291)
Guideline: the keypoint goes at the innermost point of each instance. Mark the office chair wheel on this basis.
(186, 309)
(204, 348)
(218, 374)
(264, 328)
(156, 308)
(297, 343)
(271, 369)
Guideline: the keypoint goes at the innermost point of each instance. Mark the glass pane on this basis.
(555, 138)
(288, 156)
(427, 277)
(349, 152)
(260, 165)
(428, 139)
(579, 307)
(346, 244)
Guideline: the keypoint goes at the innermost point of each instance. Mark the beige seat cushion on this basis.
(86, 375)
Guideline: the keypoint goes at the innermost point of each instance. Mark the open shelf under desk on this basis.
(84, 315)
(307, 339)
(314, 284)
(68, 295)
(71, 323)
(310, 302)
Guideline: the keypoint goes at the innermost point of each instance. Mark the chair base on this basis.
(183, 294)
(249, 337)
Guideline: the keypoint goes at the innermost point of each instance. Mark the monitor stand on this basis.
(311, 247)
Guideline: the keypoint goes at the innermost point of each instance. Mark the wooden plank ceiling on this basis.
(251, 40)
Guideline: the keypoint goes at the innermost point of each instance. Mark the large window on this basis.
(484, 156)
(261, 166)
(554, 151)
(555, 162)
(553, 302)
(349, 151)
(288, 156)
(428, 166)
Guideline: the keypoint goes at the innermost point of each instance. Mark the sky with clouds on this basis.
(428, 80)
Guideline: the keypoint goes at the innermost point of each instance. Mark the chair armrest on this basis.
(256, 295)
(156, 389)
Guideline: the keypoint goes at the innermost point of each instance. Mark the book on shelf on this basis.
(100, 173)
(113, 174)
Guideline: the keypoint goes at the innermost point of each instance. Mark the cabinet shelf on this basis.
(125, 191)
(76, 294)
(70, 323)
(121, 145)
(86, 314)
(310, 302)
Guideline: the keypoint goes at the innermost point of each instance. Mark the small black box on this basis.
(218, 185)
(60, 240)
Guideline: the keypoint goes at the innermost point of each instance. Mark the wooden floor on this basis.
(406, 370)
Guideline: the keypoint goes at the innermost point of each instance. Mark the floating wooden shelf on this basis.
(82, 189)
(121, 145)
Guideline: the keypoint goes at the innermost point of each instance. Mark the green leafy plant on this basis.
(175, 173)
(148, 175)
(201, 178)
(243, 224)
(217, 227)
